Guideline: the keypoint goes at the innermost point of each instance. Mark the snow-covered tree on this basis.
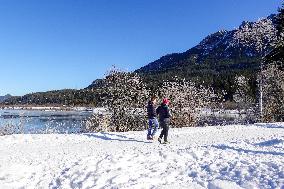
(273, 76)
(264, 36)
(273, 93)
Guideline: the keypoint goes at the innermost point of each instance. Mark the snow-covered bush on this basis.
(186, 101)
(9, 128)
(124, 95)
(241, 95)
(98, 122)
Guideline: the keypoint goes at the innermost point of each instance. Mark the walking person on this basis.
(152, 116)
(164, 119)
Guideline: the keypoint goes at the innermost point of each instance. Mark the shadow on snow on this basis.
(270, 125)
(270, 142)
(108, 136)
(225, 147)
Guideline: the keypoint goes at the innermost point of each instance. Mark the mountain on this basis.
(68, 97)
(6, 97)
(277, 55)
(96, 84)
(216, 62)
(219, 58)
(250, 40)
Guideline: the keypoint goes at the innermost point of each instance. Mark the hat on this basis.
(166, 101)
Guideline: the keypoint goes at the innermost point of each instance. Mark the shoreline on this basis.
(48, 108)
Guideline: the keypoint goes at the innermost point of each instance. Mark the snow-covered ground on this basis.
(224, 157)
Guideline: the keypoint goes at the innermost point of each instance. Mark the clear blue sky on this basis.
(57, 44)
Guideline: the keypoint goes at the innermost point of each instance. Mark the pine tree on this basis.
(277, 54)
(280, 21)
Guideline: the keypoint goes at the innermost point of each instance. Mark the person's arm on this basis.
(169, 112)
(158, 110)
(148, 109)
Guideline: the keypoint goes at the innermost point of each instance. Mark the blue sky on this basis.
(57, 44)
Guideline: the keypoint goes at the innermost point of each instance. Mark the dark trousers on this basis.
(165, 124)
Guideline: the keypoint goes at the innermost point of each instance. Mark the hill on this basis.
(68, 97)
(6, 97)
(219, 58)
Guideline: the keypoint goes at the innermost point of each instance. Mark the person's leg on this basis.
(167, 127)
(150, 127)
(166, 133)
(163, 131)
(156, 126)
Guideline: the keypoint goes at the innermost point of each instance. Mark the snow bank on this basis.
(209, 157)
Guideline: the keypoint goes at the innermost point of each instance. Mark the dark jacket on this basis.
(164, 112)
(151, 109)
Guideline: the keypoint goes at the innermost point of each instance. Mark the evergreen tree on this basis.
(277, 54)
(280, 21)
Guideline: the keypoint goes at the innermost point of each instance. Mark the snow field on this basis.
(206, 157)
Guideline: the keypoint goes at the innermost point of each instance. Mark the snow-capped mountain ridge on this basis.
(250, 39)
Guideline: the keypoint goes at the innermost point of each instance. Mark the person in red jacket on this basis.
(164, 118)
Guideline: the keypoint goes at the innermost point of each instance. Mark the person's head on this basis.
(166, 101)
(154, 99)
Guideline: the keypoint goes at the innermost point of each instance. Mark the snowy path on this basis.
(209, 157)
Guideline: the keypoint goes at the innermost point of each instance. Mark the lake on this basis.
(56, 121)
(41, 122)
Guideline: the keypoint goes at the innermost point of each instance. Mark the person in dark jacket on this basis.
(164, 119)
(152, 116)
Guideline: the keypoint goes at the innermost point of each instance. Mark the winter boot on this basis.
(149, 137)
(160, 140)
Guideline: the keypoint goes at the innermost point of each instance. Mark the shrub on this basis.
(186, 101)
(124, 95)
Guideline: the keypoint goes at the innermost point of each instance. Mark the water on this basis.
(214, 120)
(227, 117)
(41, 122)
